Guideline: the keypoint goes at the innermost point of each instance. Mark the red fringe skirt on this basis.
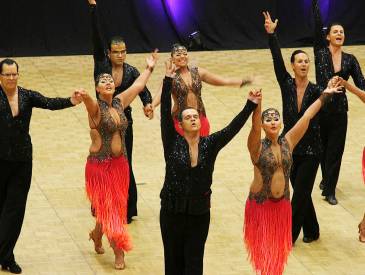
(204, 130)
(107, 183)
(268, 235)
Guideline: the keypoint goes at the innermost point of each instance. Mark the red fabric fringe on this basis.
(107, 185)
(204, 130)
(363, 164)
(268, 235)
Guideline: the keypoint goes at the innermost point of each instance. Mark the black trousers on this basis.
(132, 192)
(184, 238)
(333, 135)
(302, 177)
(15, 178)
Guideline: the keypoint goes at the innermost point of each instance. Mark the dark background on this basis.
(48, 27)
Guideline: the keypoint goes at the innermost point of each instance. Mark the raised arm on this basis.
(168, 132)
(57, 103)
(139, 84)
(224, 136)
(279, 65)
(90, 103)
(353, 89)
(145, 95)
(295, 134)
(319, 35)
(217, 80)
(254, 138)
(99, 52)
(157, 98)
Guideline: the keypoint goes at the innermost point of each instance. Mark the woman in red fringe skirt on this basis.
(268, 217)
(187, 85)
(107, 170)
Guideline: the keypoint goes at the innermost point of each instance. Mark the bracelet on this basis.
(244, 82)
(149, 68)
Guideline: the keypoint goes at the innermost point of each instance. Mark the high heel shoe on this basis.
(119, 265)
(98, 246)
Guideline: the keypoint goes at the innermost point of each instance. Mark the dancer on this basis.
(330, 60)
(297, 95)
(185, 196)
(107, 171)
(268, 217)
(187, 85)
(16, 104)
(113, 62)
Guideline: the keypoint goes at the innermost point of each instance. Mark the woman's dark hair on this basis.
(8, 61)
(292, 58)
(176, 47)
(97, 79)
(267, 111)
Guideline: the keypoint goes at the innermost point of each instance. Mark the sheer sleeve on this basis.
(168, 133)
(221, 138)
(319, 36)
(57, 103)
(279, 65)
(356, 74)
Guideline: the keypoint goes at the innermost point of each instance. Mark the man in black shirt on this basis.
(331, 61)
(16, 105)
(112, 61)
(185, 196)
(297, 95)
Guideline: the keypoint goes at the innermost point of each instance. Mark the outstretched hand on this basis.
(92, 2)
(152, 59)
(270, 26)
(76, 96)
(170, 67)
(334, 85)
(255, 96)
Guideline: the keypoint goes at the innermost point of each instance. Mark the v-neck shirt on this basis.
(310, 144)
(15, 141)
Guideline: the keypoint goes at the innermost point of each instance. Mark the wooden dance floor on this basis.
(54, 239)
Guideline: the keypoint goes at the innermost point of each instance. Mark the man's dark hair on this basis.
(180, 115)
(292, 58)
(115, 40)
(8, 61)
(329, 27)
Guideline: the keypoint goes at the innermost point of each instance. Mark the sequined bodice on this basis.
(181, 90)
(267, 165)
(107, 127)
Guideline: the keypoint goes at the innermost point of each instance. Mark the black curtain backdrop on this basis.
(48, 27)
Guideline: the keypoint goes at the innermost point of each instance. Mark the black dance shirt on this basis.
(186, 189)
(310, 144)
(15, 141)
(102, 64)
(325, 70)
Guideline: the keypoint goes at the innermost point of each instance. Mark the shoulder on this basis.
(315, 88)
(130, 68)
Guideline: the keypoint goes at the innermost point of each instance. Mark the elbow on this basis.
(139, 86)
